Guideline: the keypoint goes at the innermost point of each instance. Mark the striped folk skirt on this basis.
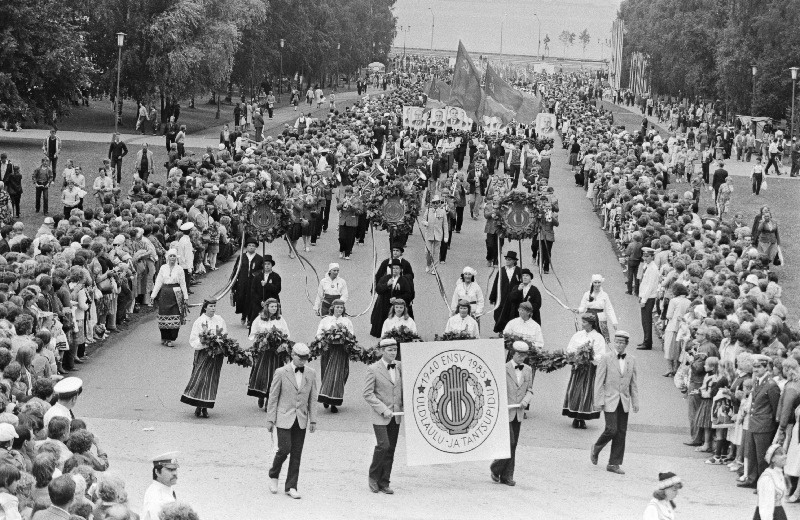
(579, 401)
(202, 388)
(335, 370)
(171, 311)
(261, 374)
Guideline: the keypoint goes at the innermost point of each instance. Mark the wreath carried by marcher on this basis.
(266, 216)
(394, 205)
(518, 214)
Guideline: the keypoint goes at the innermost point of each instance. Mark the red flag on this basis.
(531, 106)
(466, 90)
(491, 108)
(499, 89)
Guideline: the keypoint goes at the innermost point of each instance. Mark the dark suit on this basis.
(116, 151)
(402, 289)
(272, 289)
(505, 289)
(617, 392)
(247, 287)
(763, 425)
(515, 298)
(51, 513)
(382, 394)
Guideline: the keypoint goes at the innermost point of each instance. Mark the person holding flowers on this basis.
(462, 321)
(398, 317)
(335, 359)
(587, 346)
(201, 392)
(269, 358)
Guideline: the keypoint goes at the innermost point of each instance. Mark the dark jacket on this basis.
(764, 407)
(117, 150)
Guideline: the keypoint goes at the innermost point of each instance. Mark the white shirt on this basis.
(649, 286)
(336, 286)
(529, 330)
(170, 275)
(156, 497)
(395, 322)
(298, 376)
(659, 510)
(471, 292)
(185, 252)
(456, 324)
(621, 362)
(204, 322)
(57, 410)
(329, 321)
(594, 338)
(392, 371)
(259, 325)
(602, 303)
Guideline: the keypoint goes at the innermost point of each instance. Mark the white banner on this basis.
(437, 121)
(455, 401)
(414, 117)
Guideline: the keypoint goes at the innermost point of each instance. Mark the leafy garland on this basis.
(453, 336)
(508, 200)
(274, 341)
(278, 206)
(401, 334)
(373, 205)
(545, 361)
(333, 337)
(220, 344)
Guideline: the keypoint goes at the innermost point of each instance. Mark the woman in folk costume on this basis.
(335, 362)
(268, 361)
(462, 321)
(390, 286)
(596, 301)
(468, 289)
(332, 287)
(170, 289)
(201, 392)
(662, 505)
(398, 317)
(579, 401)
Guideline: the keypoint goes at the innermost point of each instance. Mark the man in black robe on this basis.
(393, 285)
(524, 292)
(510, 276)
(405, 266)
(270, 286)
(247, 289)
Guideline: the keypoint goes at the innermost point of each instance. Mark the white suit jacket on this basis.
(381, 394)
(518, 393)
(287, 402)
(611, 386)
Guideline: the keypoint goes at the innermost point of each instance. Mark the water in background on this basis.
(477, 24)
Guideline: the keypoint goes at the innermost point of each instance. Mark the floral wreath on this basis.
(401, 334)
(506, 203)
(277, 205)
(338, 335)
(379, 195)
(220, 344)
(543, 361)
(274, 341)
(454, 336)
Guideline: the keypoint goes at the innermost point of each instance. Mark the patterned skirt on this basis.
(335, 370)
(202, 388)
(262, 372)
(579, 401)
(171, 307)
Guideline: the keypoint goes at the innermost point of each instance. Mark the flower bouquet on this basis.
(582, 357)
(538, 358)
(274, 341)
(401, 334)
(335, 336)
(220, 344)
(453, 336)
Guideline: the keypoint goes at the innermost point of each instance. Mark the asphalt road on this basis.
(133, 387)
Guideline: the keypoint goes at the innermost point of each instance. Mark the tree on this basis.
(547, 44)
(585, 39)
(564, 39)
(43, 60)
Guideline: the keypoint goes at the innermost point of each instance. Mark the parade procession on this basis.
(366, 280)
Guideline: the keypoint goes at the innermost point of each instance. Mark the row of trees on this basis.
(706, 49)
(174, 49)
(568, 38)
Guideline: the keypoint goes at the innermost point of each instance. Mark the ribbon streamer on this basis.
(301, 259)
(435, 271)
(372, 290)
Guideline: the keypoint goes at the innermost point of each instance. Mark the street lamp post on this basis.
(794, 82)
(338, 49)
(117, 106)
(280, 79)
(433, 23)
(754, 70)
(539, 37)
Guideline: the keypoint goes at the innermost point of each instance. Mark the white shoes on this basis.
(273, 486)
(293, 493)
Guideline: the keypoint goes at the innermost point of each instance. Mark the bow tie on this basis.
(621, 356)
(300, 369)
(519, 367)
(390, 366)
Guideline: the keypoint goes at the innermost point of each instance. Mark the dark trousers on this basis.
(326, 214)
(53, 165)
(774, 160)
(41, 193)
(290, 444)
(647, 322)
(269, 111)
(542, 249)
(491, 247)
(756, 453)
(633, 282)
(347, 237)
(188, 275)
(361, 230)
(258, 133)
(459, 218)
(504, 468)
(757, 180)
(514, 174)
(117, 164)
(181, 150)
(15, 200)
(446, 242)
(794, 172)
(383, 457)
(615, 432)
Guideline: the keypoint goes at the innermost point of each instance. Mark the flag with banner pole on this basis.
(465, 91)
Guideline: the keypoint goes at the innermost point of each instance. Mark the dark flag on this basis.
(466, 90)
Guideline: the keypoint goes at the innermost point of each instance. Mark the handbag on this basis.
(105, 286)
(778, 260)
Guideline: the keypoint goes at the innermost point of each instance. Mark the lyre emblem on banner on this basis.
(456, 407)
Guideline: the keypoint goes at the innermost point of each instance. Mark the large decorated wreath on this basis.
(220, 344)
(338, 335)
(453, 336)
(274, 341)
(518, 214)
(401, 334)
(266, 216)
(392, 195)
(538, 358)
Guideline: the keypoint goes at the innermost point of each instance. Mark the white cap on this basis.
(187, 226)
(67, 385)
(172, 252)
(751, 278)
(598, 278)
(332, 266)
(301, 349)
(520, 346)
(7, 432)
(388, 342)
(167, 459)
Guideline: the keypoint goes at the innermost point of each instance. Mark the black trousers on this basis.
(615, 432)
(774, 160)
(117, 164)
(53, 165)
(290, 444)
(446, 242)
(15, 200)
(505, 467)
(757, 180)
(542, 249)
(756, 454)
(383, 457)
(459, 218)
(326, 213)
(647, 322)
(347, 237)
(633, 282)
(514, 174)
(41, 193)
(361, 230)
(491, 247)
